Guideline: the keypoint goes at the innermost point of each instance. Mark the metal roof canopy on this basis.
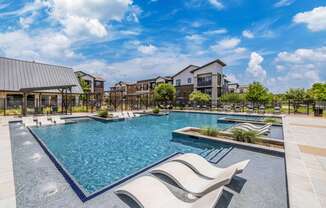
(33, 89)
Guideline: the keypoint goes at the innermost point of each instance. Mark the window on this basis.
(207, 91)
(98, 84)
(189, 81)
(178, 82)
(145, 86)
(204, 80)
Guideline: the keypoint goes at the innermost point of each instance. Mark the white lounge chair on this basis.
(255, 127)
(131, 114)
(149, 192)
(43, 121)
(118, 115)
(28, 121)
(259, 132)
(125, 114)
(202, 167)
(57, 120)
(190, 181)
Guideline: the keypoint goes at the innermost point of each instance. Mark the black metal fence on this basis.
(87, 103)
(13, 105)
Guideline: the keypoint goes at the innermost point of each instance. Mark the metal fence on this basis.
(122, 103)
(14, 106)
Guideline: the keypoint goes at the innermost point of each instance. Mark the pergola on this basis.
(63, 89)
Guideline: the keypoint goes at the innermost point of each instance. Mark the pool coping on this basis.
(78, 189)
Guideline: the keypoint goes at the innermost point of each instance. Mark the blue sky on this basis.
(281, 43)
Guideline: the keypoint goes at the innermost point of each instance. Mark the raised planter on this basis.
(234, 120)
(265, 144)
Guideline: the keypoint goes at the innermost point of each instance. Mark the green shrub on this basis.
(102, 113)
(244, 136)
(209, 131)
(271, 120)
(199, 97)
(156, 110)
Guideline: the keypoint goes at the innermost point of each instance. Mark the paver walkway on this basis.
(7, 184)
(305, 150)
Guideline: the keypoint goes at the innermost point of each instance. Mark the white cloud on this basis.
(99, 9)
(227, 43)
(87, 18)
(147, 49)
(195, 38)
(254, 66)
(77, 27)
(315, 19)
(27, 8)
(300, 68)
(216, 32)
(248, 34)
(280, 68)
(283, 3)
(46, 46)
(240, 50)
(303, 55)
(216, 3)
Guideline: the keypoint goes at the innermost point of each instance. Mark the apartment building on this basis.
(208, 79)
(147, 86)
(237, 88)
(96, 83)
(184, 83)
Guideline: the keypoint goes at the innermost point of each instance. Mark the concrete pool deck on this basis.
(305, 147)
(7, 183)
(305, 150)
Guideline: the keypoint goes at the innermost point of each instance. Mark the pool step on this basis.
(215, 155)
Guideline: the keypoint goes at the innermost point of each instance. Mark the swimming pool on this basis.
(97, 154)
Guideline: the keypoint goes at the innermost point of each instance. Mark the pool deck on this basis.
(305, 151)
(7, 183)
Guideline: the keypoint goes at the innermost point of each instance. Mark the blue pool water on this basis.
(97, 154)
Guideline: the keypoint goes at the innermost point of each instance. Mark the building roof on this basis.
(185, 69)
(96, 77)
(215, 61)
(154, 79)
(16, 75)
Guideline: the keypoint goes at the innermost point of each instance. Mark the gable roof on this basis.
(184, 70)
(215, 61)
(154, 79)
(97, 78)
(16, 75)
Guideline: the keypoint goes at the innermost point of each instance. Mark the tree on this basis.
(318, 92)
(295, 95)
(199, 97)
(257, 93)
(164, 93)
(85, 87)
(232, 98)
